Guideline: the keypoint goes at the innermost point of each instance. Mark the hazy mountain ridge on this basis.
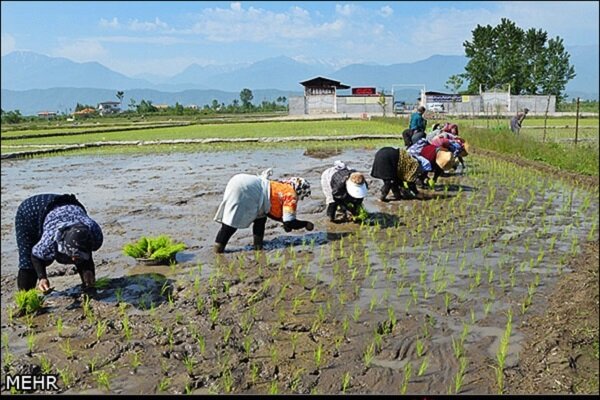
(25, 74)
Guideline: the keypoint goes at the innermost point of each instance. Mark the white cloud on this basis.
(112, 24)
(386, 11)
(444, 30)
(345, 10)
(81, 50)
(8, 43)
(158, 40)
(147, 26)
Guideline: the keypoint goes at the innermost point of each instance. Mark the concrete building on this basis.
(489, 103)
(321, 97)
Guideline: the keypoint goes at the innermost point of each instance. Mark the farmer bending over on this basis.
(53, 227)
(250, 199)
(344, 188)
(394, 167)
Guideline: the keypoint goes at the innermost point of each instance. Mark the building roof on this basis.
(46, 113)
(321, 82)
(111, 102)
(85, 111)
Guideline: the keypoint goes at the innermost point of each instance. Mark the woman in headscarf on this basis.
(395, 166)
(250, 199)
(344, 189)
(54, 227)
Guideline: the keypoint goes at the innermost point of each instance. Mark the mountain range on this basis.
(33, 82)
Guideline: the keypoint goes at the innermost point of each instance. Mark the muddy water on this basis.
(433, 282)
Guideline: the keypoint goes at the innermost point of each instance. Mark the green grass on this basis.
(231, 130)
(582, 158)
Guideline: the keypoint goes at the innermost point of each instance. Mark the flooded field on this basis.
(428, 298)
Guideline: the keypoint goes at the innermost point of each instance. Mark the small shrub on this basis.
(161, 249)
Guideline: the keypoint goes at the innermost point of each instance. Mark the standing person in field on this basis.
(416, 129)
(53, 227)
(250, 199)
(344, 189)
(517, 121)
(395, 167)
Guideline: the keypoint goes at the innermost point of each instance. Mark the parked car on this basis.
(399, 106)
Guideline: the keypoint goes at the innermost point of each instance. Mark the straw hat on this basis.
(356, 186)
(465, 149)
(444, 159)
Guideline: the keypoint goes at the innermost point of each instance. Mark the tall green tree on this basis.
(526, 60)
(454, 83)
(246, 97)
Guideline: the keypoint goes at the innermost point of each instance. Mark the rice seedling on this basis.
(189, 362)
(345, 382)
(356, 313)
(201, 343)
(373, 302)
(460, 374)
(423, 367)
(318, 354)
(59, 326)
(127, 329)
(227, 334)
(406, 378)
(67, 349)
(28, 301)
(420, 347)
(213, 315)
(164, 383)
(66, 376)
(100, 328)
(369, 354)
(273, 389)
(254, 370)
(102, 380)
(7, 359)
(30, 342)
(274, 354)
(119, 295)
(161, 248)
(170, 338)
(502, 352)
(345, 326)
(135, 361)
(457, 348)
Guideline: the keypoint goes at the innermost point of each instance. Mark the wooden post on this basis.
(577, 121)
(546, 118)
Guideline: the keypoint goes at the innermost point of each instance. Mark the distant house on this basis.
(109, 107)
(161, 106)
(192, 107)
(47, 114)
(321, 97)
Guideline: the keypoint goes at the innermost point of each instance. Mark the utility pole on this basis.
(577, 121)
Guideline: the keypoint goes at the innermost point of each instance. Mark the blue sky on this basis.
(163, 38)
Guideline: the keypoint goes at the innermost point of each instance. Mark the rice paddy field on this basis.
(448, 293)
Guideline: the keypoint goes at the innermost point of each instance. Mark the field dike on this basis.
(432, 296)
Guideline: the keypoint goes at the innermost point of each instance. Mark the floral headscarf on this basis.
(300, 185)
